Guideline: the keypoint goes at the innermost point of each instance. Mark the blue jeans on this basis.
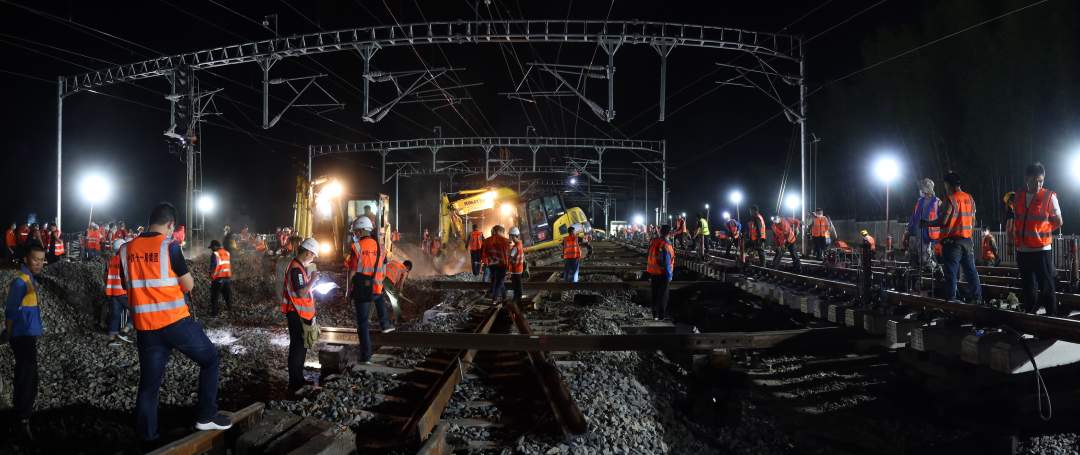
(117, 305)
(363, 309)
(498, 282)
(155, 347)
(92, 254)
(960, 254)
(570, 270)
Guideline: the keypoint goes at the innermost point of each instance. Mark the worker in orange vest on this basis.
(661, 268)
(220, 277)
(571, 256)
(820, 229)
(989, 248)
(732, 227)
(755, 234)
(92, 242)
(57, 241)
(118, 300)
(957, 222)
(785, 238)
(495, 254)
(425, 242)
(869, 241)
(299, 309)
(156, 276)
(367, 268)
(476, 246)
(395, 236)
(1037, 216)
(920, 241)
(517, 263)
(396, 273)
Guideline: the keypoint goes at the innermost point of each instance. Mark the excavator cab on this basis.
(545, 221)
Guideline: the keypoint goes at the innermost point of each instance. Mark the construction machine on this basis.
(324, 211)
(544, 221)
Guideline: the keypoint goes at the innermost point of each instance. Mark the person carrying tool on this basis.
(220, 277)
(495, 256)
(733, 227)
(155, 275)
(820, 229)
(571, 254)
(756, 234)
(989, 249)
(118, 300)
(22, 327)
(299, 310)
(367, 268)
(517, 263)
(918, 239)
(397, 272)
(476, 246)
(661, 268)
(1038, 215)
(956, 218)
(785, 238)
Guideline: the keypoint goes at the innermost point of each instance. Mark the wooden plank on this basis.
(436, 443)
(212, 440)
(625, 342)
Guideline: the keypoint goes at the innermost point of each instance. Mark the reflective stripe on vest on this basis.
(59, 247)
(820, 228)
(476, 239)
(961, 217)
(654, 266)
(757, 228)
(113, 286)
(395, 271)
(304, 305)
(154, 293)
(517, 257)
(222, 270)
(571, 249)
(1032, 227)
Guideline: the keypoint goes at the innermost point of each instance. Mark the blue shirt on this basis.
(665, 259)
(26, 320)
(923, 207)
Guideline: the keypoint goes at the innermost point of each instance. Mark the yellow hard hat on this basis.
(1008, 198)
(864, 232)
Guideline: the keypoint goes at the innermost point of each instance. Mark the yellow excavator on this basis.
(543, 220)
(324, 211)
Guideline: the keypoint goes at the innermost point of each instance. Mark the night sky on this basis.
(983, 102)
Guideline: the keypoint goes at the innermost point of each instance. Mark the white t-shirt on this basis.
(1055, 209)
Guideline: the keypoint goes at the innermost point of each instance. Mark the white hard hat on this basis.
(364, 223)
(515, 231)
(311, 245)
(117, 244)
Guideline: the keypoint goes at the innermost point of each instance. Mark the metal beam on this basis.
(558, 286)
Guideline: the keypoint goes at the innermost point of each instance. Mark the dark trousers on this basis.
(570, 270)
(515, 285)
(659, 285)
(1037, 280)
(475, 262)
(819, 247)
(155, 348)
(222, 286)
(498, 282)
(757, 247)
(363, 324)
(297, 351)
(117, 307)
(959, 255)
(26, 375)
(794, 256)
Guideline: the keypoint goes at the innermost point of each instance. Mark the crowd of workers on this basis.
(493, 257)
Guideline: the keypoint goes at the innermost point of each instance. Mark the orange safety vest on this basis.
(59, 250)
(961, 219)
(9, 239)
(154, 291)
(476, 239)
(655, 267)
(756, 232)
(295, 300)
(873, 243)
(395, 236)
(570, 248)
(372, 262)
(93, 239)
(222, 270)
(260, 246)
(1032, 227)
(987, 248)
(113, 286)
(680, 225)
(517, 257)
(395, 272)
(784, 232)
(733, 228)
(496, 251)
(820, 228)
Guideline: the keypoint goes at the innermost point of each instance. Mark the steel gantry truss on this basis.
(505, 165)
(610, 36)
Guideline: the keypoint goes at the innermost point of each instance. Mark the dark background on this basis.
(983, 102)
